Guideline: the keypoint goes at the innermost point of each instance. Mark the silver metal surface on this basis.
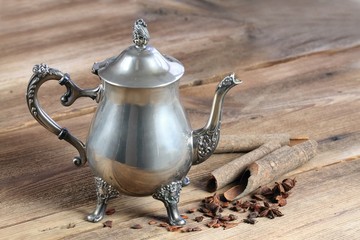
(140, 65)
(42, 73)
(104, 192)
(140, 141)
(169, 195)
(141, 34)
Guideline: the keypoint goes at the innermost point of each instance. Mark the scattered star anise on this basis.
(199, 218)
(107, 224)
(251, 218)
(212, 206)
(288, 184)
(136, 226)
(191, 229)
(173, 228)
(192, 210)
(110, 211)
(152, 222)
(270, 211)
(281, 199)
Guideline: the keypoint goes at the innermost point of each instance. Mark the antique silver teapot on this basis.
(140, 141)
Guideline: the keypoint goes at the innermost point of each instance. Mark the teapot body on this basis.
(140, 138)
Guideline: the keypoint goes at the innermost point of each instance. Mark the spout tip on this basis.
(229, 82)
(235, 80)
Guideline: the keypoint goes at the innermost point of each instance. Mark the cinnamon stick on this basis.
(248, 142)
(230, 171)
(272, 166)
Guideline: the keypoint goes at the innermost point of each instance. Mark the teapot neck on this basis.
(141, 96)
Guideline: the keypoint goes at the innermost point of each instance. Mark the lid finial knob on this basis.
(141, 35)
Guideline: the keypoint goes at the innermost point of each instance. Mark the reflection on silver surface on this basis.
(140, 139)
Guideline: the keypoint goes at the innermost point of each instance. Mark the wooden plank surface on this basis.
(300, 63)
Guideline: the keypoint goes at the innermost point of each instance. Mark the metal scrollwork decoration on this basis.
(169, 195)
(104, 192)
(43, 73)
(207, 143)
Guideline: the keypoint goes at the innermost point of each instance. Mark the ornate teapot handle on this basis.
(43, 73)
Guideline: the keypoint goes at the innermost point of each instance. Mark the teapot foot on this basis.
(169, 195)
(104, 192)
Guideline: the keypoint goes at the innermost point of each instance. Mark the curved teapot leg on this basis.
(104, 192)
(169, 195)
(185, 181)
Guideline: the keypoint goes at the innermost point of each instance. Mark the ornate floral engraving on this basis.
(207, 143)
(207, 138)
(31, 95)
(41, 69)
(169, 193)
(104, 191)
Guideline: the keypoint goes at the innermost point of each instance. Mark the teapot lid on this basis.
(140, 65)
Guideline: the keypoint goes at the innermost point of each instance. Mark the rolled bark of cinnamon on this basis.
(230, 171)
(272, 166)
(248, 142)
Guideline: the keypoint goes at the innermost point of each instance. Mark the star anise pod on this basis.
(108, 224)
(288, 184)
(281, 200)
(213, 206)
(240, 206)
(229, 225)
(152, 222)
(249, 221)
(163, 224)
(199, 218)
(212, 223)
(278, 189)
(270, 211)
(136, 226)
(110, 211)
(173, 228)
(213, 199)
(253, 215)
(192, 210)
(258, 197)
(191, 229)
(245, 205)
(255, 207)
(251, 218)
(266, 192)
(224, 204)
(228, 218)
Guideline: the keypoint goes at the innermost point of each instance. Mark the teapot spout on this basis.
(205, 140)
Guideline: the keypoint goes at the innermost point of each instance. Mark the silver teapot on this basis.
(140, 141)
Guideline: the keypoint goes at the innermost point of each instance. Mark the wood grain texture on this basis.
(300, 63)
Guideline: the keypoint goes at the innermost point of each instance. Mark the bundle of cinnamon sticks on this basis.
(269, 157)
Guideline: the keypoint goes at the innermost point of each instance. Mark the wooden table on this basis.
(300, 66)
